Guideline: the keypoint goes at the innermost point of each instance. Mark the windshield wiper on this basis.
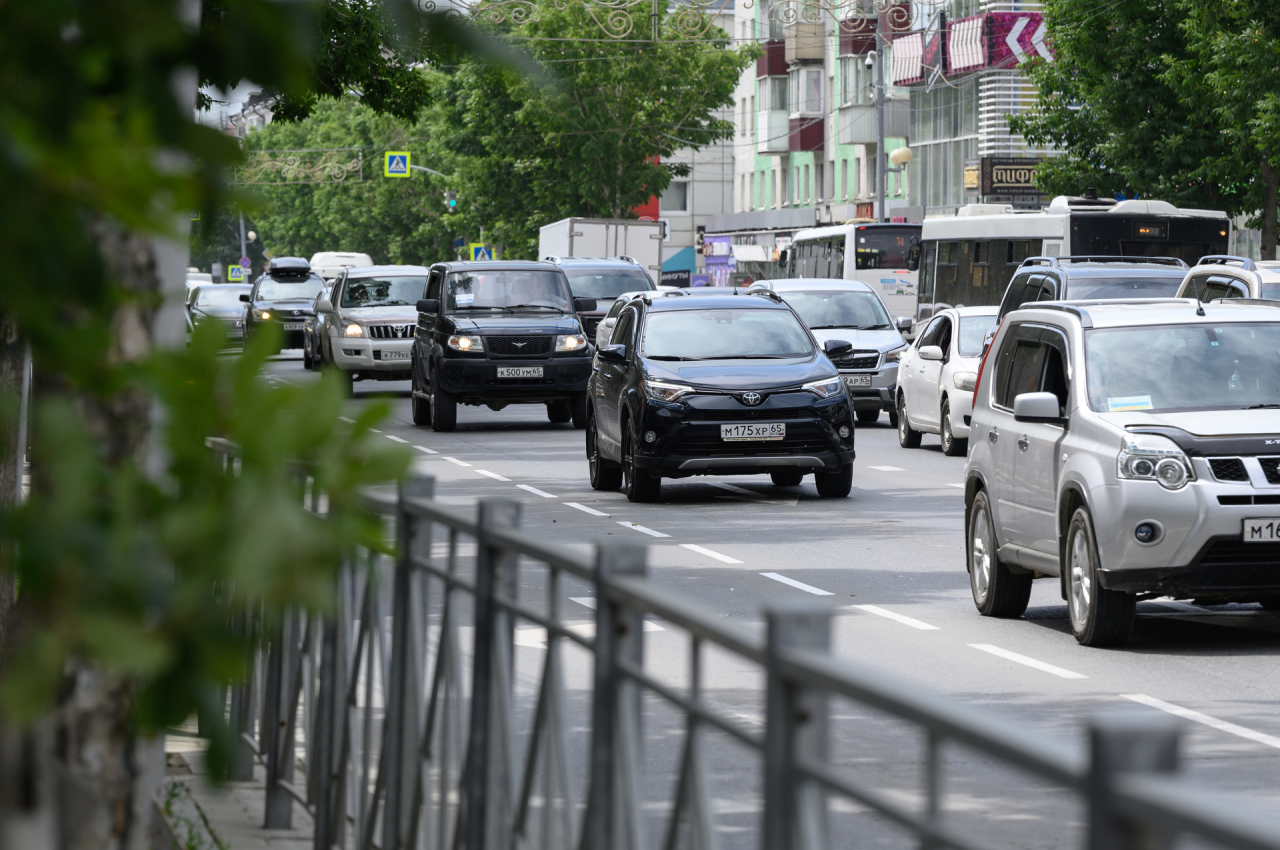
(875, 327)
(534, 307)
(744, 357)
(479, 307)
(1260, 407)
(670, 357)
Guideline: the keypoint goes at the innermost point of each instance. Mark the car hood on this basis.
(548, 322)
(885, 340)
(741, 374)
(1203, 423)
(236, 312)
(408, 315)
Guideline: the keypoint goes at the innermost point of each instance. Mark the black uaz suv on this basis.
(718, 385)
(498, 333)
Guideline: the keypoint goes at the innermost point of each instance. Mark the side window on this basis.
(433, 284)
(1026, 368)
(615, 309)
(926, 271)
(930, 333)
(945, 276)
(622, 330)
(1050, 288)
(1218, 286)
(1003, 360)
(943, 337)
(1013, 296)
(1195, 287)
(1055, 369)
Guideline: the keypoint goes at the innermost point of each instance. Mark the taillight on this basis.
(977, 385)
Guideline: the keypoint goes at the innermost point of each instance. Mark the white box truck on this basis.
(605, 237)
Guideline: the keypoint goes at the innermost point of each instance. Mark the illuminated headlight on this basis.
(465, 343)
(571, 342)
(662, 391)
(825, 388)
(892, 356)
(352, 329)
(1151, 457)
(965, 381)
(263, 315)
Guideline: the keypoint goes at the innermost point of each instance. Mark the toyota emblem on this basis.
(751, 399)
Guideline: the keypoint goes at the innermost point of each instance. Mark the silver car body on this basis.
(925, 384)
(386, 339)
(1036, 473)
(1232, 277)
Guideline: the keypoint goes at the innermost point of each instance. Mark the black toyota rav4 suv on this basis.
(498, 333)
(718, 385)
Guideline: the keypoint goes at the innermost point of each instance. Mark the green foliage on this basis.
(215, 238)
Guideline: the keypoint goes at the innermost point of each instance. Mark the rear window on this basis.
(1122, 287)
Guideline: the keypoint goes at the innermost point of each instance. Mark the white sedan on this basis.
(936, 377)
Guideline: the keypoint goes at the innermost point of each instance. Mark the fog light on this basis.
(1146, 532)
(649, 436)
(844, 431)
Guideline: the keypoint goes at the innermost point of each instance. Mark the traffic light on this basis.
(450, 200)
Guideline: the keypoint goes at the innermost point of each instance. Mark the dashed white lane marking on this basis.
(642, 529)
(961, 486)
(585, 509)
(807, 588)
(374, 431)
(397, 439)
(590, 630)
(1213, 722)
(900, 618)
(495, 476)
(346, 420)
(455, 460)
(1029, 662)
(886, 468)
(694, 547)
(427, 450)
(535, 491)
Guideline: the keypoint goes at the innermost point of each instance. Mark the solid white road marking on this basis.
(901, 618)
(397, 439)
(1213, 722)
(585, 509)
(807, 588)
(455, 460)
(346, 420)
(427, 450)
(1029, 662)
(535, 491)
(886, 468)
(642, 529)
(694, 547)
(495, 476)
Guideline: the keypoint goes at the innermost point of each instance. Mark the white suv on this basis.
(369, 323)
(1221, 276)
(1130, 450)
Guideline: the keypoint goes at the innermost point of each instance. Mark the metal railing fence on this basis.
(409, 738)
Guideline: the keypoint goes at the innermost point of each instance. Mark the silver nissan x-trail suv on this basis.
(1131, 450)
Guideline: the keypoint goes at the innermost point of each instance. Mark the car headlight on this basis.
(965, 381)
(662, 391)
(892, 356)
(263, 314)
(826, 388)
(1150, 457)
(460, 342)
(571, 342)
(352, 329)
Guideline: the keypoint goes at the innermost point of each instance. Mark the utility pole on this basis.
(242, 244)
(879, 202)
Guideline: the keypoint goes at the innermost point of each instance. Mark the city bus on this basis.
(886, 256)
(968, 259)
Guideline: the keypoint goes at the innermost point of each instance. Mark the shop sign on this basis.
(1008, 175)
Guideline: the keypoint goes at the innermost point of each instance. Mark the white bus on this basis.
(968, 259)
(886, 256)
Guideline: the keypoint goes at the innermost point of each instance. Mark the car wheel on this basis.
(306, 355)
(951, 447)
(579, 406)
(835, 485)
(867, 416)
(997, 591)
(605, 474)
(559, 411)
(788, 477)
(638, 484)
(444, 407)
(1099, 617)
(418, 405)
(908, 437)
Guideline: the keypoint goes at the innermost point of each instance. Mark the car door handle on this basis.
(993, 435)
(1023, 443)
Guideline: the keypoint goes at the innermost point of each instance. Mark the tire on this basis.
(579, 407)
(444, 407)
(605, 474)
(559, 412)
(951, 447)
(419, 406)
(787, 478)
(1099, 617)
(908, 437)
(835, 485)
(997, 591)
(307, 362)
(866, 416)
(637, 483)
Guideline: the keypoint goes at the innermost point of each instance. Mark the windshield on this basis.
(1080, 288)
(384, 291)
(606, 283)
(1184, 367)
(275, 290)
(883, 248)
(973, 330)
(216, 297)
(503, 289)
(833, 308)
(715, 334)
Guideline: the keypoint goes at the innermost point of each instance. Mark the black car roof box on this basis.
(289, 267)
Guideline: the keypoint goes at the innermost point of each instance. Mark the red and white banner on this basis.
(908, 53)
(966, 44)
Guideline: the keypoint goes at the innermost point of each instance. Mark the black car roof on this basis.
(715, 302)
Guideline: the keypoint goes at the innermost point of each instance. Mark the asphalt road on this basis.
(889, 560)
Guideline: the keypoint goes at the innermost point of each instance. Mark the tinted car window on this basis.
(1014, 294)
(606, 283)
(930, 334)
(400, 291)
(728, 333)
(1025, 370)
(1221, 288)
(506, 288)
(1123, 287)
(973, 330)
(275, 290)
(622, 330)
(615, 309)
(838, 309)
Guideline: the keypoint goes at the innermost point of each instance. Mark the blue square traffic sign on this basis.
(395, 164)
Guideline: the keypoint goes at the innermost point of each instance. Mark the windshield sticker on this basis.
(1129, 402)
(464, 298)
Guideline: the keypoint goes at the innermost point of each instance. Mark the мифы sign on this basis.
(1009, 175)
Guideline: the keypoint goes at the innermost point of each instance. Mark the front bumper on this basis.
(360, 354)
(475, 379)
(878, 396)
(961, 409)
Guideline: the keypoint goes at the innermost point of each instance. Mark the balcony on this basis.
(856, 125)
(858, 33)
(808, 133)
(774, 61)
(772, 132)
(806, 42)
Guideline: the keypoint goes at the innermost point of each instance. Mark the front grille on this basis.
(1236, 565)
(1271, 468)
(859, 360)
(391, 331)
(697, 415)
(1228, 469)
(519, 346)
(705, 442)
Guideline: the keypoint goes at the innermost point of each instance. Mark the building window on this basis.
(774, 94)
(806, 184)
(806, 91)
(855, 81)
(844, 179)
(676, 197)
(753, 114)
(795, 186)
(773, 189)
(819, 182)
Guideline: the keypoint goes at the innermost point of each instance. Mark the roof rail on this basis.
(629, 259)
(1086, 321)
(1054, 262)
(767, 293)
(551, 258)
(1228, 260)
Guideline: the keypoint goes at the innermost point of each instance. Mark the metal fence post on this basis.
(612, 817)
(279, 805)
(242, 694)
(484, 778)
(400, 745)
(1127, 742)
(797, 724)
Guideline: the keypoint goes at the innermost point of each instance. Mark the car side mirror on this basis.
(324, 305)
(930, 352)
(837, 347)
(782, 258)
(1037, 407)
(245, 298)
(905, 324)
(614, 354)
(913, 259)
(429, 305)
(584, 305)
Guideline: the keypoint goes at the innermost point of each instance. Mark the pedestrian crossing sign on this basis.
(481, 251)
(395, 164)
(235, 274)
